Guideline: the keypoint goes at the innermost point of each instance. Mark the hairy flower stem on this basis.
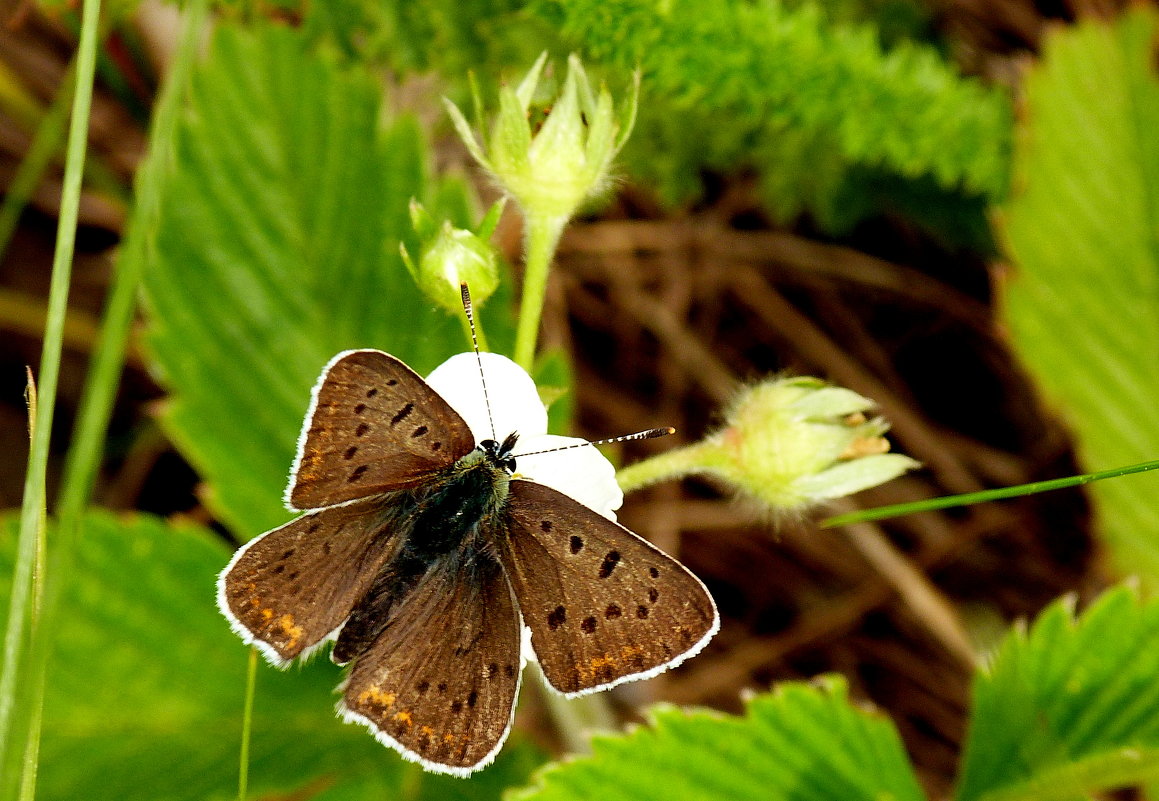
(542, 237)
(675, 463)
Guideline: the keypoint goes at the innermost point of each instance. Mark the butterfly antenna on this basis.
(651, 433)
(466, 295)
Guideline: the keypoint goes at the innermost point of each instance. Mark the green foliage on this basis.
(800, 742)
(448, 35)
(1080, 228)
(817, 109)
(802, 93)
(277, 247)
(1070, 708)
(1065, 711)
(144, 697)
(146, 684)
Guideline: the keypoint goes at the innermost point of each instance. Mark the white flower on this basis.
(514, 405)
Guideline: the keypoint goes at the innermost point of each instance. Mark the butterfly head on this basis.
(499, 453)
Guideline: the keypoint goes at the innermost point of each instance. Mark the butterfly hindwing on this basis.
(374, 425)
(603, 605)
(289, 589)
(439, 682)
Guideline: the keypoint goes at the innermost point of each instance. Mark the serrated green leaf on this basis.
(277, 247)
(1082, 303)
(144, 696)
(800, 742)
(1070, 708)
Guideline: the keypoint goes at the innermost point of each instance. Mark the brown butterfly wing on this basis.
(374, 425)
(439, 683)
(289, 589)
(603, 605)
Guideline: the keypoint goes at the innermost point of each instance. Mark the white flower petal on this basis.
(514, 400)
(580, 473)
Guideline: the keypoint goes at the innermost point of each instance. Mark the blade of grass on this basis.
(247, 724)
(969, 498)
(107, 364)
(32, 743)
(49, 135)
(32, 509)
(108, 361)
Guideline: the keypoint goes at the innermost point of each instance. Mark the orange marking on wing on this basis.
(404, 717)
(595, 664)
(378, 697)
(291, 630)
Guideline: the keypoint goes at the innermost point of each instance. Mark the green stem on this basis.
(896, 510)
(32, 510)
(699, 457)
(542, 237)
(247, 725)
(40, 153)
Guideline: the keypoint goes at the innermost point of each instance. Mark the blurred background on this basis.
(841, 194)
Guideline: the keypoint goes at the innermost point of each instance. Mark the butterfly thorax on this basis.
(470, 491)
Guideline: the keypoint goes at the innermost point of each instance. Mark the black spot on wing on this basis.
(556, 618)
(611, 559)
(402, 414)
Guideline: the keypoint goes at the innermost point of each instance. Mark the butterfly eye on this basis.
(509, 464)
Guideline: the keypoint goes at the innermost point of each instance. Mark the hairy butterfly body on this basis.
(423, 556)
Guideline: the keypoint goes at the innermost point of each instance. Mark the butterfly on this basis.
(423, 554)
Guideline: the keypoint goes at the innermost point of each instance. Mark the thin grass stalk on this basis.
(32, 510)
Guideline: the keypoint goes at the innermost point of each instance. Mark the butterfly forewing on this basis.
(603, 605)
(290, 588)
(439, 683)
(374, 426)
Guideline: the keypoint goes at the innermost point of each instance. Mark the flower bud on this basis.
(792, 442)
(551, 171)
(788, 443)
(450, 256)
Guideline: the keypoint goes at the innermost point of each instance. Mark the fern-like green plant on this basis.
(832, 123)
(815, 108)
